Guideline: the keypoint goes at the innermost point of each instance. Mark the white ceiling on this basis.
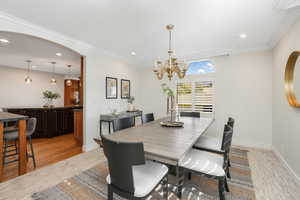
(40, 52)
(203, 27)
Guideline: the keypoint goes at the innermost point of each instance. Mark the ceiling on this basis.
(41, 52)
(203, 27)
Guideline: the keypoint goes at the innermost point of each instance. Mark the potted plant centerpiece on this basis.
(50, 96)
(171, 107)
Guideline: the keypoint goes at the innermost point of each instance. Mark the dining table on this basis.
(167, 145)
(6, 117)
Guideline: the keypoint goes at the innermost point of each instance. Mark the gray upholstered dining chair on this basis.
(213, 144)
(210, 164)
(148, 118)
(123, 123)
(130, 175)
(14, 136)
(190, 114)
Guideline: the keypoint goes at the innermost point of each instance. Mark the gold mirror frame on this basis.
(289, 79)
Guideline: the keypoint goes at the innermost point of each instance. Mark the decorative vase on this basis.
(49, 103)
(130, 107)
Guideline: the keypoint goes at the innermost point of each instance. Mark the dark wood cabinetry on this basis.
(50, 121)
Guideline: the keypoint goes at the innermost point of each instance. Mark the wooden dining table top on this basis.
(165, 144)
(6, 117)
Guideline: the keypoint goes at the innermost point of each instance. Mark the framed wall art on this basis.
(125, 89)
(111, 88)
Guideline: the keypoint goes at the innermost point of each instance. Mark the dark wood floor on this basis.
(47, 151)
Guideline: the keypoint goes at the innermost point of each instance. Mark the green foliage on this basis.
(50, 95)
(167, 90)
(130, 99)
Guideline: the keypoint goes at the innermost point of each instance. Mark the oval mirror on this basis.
(292, 79)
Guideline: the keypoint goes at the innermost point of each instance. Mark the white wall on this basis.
(286, 126)
(243, 91)
(16, 93)
(99, 67)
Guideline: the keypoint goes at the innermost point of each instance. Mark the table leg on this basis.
(179, 179)
(22, 147)
(1, 151)
(108, 127)
(100, 128)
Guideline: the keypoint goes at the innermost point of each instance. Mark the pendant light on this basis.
(69, 81)
(53, 80)
(28, 79)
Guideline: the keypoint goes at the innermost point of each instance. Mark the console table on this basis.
(108, 118)
(21, 120)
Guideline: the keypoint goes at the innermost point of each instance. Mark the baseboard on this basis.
(90, 147)
(286, 165)
(251, 144)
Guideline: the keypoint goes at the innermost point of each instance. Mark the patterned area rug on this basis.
(91, 184)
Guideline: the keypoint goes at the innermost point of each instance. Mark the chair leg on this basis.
(229, 164)
(110, 194)
(226, 186)
(228, 173)
(4, 152)
(189, 176)
(32, 152)
(16, 145)
(165, 188)
(221, 189)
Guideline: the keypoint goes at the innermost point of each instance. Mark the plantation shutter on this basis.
(203, 97)
(184, 96)
(195, 96)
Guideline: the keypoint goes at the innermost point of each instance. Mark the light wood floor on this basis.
(47, 151)
(271, 180)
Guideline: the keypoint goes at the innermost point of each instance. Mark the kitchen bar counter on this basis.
(50, 121)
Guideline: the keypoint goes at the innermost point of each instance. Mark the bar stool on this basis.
(14, 136)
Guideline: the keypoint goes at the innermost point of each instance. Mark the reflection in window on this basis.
(201, 67)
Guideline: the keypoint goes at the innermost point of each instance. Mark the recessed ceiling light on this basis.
(4, 41)
(58, 54)
(243, 35)
(133, 53)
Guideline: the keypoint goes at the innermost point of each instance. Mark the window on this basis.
(200, 67)
(197, 94)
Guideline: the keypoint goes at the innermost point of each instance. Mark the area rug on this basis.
(91, 185)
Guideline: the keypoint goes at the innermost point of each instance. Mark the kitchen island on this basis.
(51, 122)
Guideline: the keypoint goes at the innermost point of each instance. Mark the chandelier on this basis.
(172, 65)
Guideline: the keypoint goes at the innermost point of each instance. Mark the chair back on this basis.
(31, 126)
(227, 138)
(190, 114)
(121, 157)
(148, 118)
(123, 123)
(230, 122)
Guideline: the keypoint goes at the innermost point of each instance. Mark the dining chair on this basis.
(14, 136)
(190, 114)
(130, 175)
(148, 118)
(210, 164)
(123, 123)
(213, 144)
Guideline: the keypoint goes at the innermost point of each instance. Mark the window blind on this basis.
(184, 96)
(203, 97)
(195, 96)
